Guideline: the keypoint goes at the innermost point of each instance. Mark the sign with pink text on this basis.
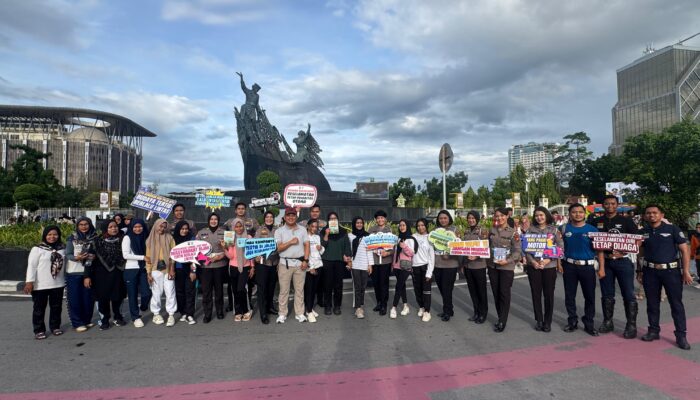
(300, 195)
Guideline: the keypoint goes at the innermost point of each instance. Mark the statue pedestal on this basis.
(302, 172)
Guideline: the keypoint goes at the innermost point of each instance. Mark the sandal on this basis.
(40, 336)
(246, 316)
(238, 318)
(57, 332)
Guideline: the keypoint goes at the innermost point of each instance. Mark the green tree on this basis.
(470, 198)
(572, 153)
(30, 196)
(69, 197)
(590, 176)
(125, 201)
(403, 186)
(483, 195)
(500, 192)
(517, 179)
(91, 200)
(665, 168)
(7, 190)
(545, 185)
(454, 183)
(268, 182)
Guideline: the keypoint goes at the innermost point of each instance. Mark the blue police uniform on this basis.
(661, 267)
(579, 267)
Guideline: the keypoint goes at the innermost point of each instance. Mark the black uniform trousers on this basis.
(212, 281)
(185, 291)
(445, 279)
(671, 280)
(239, 280)
(501, 284)
(586, 276)
(542, 282)
(265, 279)
(54, 299)
(380, 280)
(476, 283)
(422, 287)
(332, 277)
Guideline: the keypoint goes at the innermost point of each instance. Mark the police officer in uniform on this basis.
(659, 267)
(618, 267)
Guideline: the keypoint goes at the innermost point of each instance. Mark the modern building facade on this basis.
(89, 149)
(656, 91)
(536, 158)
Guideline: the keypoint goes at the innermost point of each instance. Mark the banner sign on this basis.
(229, 236)
(333, 226)
(625, 242)
(381, 241)
(541, 245)
(212, 199)
(300, 195)
(500, 253)
(470, 248)
(440, 237)
(152, 202)
(257, 247)
(273, 200)
(191, 251)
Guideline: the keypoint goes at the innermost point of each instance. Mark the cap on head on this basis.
(290, 210)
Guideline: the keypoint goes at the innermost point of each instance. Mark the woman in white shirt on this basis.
(423, 265)
(134, 252)
(361, 266)
(45, 281)
(312, 276)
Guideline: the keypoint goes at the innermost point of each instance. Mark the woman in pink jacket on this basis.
(403, 266)
(240, 270)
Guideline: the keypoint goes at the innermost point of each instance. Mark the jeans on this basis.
(400, 290)
(81, 305)
(622, 270)
(671, 280)
(422, 287)
(136, 282)
(185, 292)
(310, 286)
(573, 275)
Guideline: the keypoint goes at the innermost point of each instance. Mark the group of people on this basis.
(133, 261)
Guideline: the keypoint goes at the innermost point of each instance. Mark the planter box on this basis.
(13, 264)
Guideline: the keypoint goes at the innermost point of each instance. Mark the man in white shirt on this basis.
(293, 248)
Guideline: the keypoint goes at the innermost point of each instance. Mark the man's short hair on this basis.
(179, 205)
(611, 197)
(654, 205)
(240, 203)
(315, 206)
(576, 205)
(380, 213)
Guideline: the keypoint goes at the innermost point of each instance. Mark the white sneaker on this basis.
(359, 313)
(191, 320)
(81, 328)
(310, 317)
(281, 319)
(426, 317)
(300, 318)
(171, 320)
(138, 323)
(314, 313)
(392, 313)
(158, 319)
(405, 310)
(183, 318)
(420, 312)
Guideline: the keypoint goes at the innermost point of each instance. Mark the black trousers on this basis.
(671, 280)
(333, 272)
(445, 279)
(229, 287)
(586, 276)
(380, 280)
(212, 280)
(400, 290)
(54, 299)
(501, 284)
(104, 306)
(310, 288)
(542, 283)
(265, 279)
(422, 287)
(185, 292)
(239, 283)
(321, 288)
(476, 283)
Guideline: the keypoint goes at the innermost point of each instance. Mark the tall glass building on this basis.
(535, 157)
(656, 91)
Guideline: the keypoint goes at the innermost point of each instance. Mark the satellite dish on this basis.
(446, 157)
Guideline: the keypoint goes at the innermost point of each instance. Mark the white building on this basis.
(535, 157)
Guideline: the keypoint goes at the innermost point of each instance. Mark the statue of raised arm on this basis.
(251, 108)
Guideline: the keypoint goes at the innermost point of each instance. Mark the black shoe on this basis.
(104, 326)
(608, 310)
(481, 319)
(445, 317)
(206, 320)
(382, 311)
(336, 311)
(570, 328)
(591, 331)
(272, 311)
(229, 308)
(143, 308)
(377, 308)
(682, 343)
(651, 336)
(538, 326)
(119, 322)
(442, 314)
(473, 318)
(219, 316)
(546, 328)
(328, 311)
(499, 327)
(264, 319)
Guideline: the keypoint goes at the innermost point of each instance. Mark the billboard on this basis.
(620, 190)
(372, 190)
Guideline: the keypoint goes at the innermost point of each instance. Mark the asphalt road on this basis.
(341, 357)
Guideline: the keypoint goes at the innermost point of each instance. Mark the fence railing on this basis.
(7, 214)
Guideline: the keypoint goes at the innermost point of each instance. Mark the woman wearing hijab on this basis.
(505, 252)
(240, 270)
(135, 279)
(403, 265)
(336, 257)
(121, 223)
(361, 266)
(475, 270)
(446, 267)
(160, 271)
(212, 273)
(80, 252)
(105, 275)
(45, 281)
(266, 270)
(185, 276)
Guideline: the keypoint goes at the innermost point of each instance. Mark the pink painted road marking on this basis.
(646, 363)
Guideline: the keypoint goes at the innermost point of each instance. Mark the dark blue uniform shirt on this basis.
(661, 243)
(577, 244)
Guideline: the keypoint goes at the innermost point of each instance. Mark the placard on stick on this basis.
(470, 248)
(257, 246)
(152, 202)
(300, 195)
(188, 251)
(541, 245)
(624, 242)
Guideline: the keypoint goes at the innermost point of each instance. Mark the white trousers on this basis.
(161, 284)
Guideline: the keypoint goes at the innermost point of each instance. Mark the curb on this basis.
(11, 286)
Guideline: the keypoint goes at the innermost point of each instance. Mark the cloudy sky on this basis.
(383, 82)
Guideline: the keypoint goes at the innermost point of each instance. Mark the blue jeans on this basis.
(81, 305)
(136, 281)
(621, 269)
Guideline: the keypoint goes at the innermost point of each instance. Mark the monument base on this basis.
(299, 172)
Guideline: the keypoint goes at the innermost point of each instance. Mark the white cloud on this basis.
(214, 12)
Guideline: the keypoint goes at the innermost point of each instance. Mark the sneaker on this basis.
(81, 328)
(314, 313)
(138, 323)
(171, 320)
(105, 326)
(310, 317)
(191, 320)
(281, 319)
(158, 319)
(119, 322)
(392, 313)
(420, 312)
(183, 318)
(360, 313)
(90, 325)
(300, 318)
(426, 317)
(405, 310)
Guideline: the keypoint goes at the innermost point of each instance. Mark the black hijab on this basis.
(359, 234)
(218, 222)
(334, 236)
(476, 217)
(138, 242)
(121, 224)
(176, 233)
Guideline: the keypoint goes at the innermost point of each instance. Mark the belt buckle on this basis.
(659, 266)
